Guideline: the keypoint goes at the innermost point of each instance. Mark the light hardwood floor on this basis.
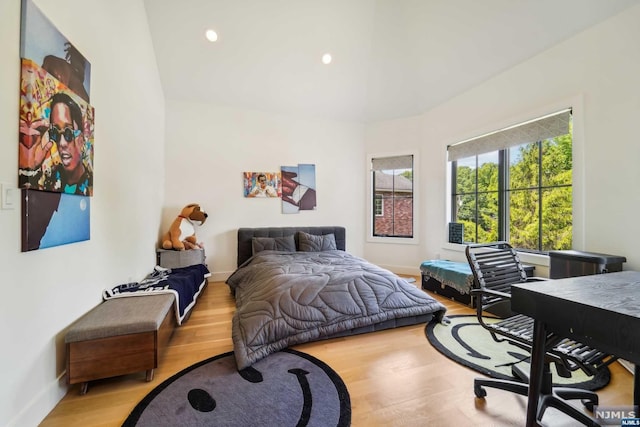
(394, 377)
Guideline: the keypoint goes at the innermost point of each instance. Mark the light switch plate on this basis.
(8, 196)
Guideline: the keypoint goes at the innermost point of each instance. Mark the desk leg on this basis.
(537, 371)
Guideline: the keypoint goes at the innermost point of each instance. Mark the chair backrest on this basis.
(495, 266)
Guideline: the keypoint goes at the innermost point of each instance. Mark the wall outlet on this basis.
(8, 196)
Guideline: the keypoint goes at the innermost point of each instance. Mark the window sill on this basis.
(525, 257)
(393, 240)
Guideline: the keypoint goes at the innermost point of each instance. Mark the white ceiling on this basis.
(391, 58)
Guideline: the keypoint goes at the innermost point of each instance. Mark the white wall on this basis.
(44, 291)
(598, 72)
(209, 147)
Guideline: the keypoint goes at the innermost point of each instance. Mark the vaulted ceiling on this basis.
(391, 58)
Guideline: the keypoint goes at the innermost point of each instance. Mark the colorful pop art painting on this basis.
(55, 153)
(261, 184)
(56, 133)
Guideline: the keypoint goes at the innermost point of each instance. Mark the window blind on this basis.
(395, 162)
(549, 126)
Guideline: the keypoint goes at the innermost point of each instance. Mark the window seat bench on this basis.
(452, 279)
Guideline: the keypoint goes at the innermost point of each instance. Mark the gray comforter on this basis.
(288, 298)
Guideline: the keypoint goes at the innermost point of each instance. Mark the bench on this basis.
(452, 279)
(118, 337)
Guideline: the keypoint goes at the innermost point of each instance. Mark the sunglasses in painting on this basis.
(68, 134)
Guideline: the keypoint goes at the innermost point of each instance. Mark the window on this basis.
(377, 205)
(519, 190)
(392, 201)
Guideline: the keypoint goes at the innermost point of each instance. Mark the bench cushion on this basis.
(456, 275)
(121, 316)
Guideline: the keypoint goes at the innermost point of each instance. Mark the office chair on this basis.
(495, 267)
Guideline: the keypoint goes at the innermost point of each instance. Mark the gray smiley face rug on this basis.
(288, 388)
(465, 341)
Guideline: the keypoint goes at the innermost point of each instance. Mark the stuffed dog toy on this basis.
(182, 233)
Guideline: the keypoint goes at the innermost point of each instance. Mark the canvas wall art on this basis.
(298, 188)
(56, 129)
(261, 184)
(56, 135)
(53, 219)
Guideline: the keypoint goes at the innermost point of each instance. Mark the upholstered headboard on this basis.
(246, 234)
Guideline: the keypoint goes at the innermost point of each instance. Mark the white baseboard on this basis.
(42, 403)
(628, 365)
(220, 276)
(403, 270)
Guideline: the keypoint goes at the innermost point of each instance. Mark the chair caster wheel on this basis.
(480, 391)
(589, 404)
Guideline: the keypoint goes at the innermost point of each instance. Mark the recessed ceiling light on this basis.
(326, 58)
(211, 35)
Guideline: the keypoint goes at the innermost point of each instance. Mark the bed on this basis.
(298, 284)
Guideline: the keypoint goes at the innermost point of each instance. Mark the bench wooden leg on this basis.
(83, 388)
(149, 375)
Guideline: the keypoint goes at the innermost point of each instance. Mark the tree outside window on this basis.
(522, 194)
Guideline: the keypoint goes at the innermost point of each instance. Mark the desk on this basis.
(601, 310)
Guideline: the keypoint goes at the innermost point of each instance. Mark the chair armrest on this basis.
(491, 292)
(537, 279)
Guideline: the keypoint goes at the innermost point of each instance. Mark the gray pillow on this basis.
(284, 243)
(312, 243)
